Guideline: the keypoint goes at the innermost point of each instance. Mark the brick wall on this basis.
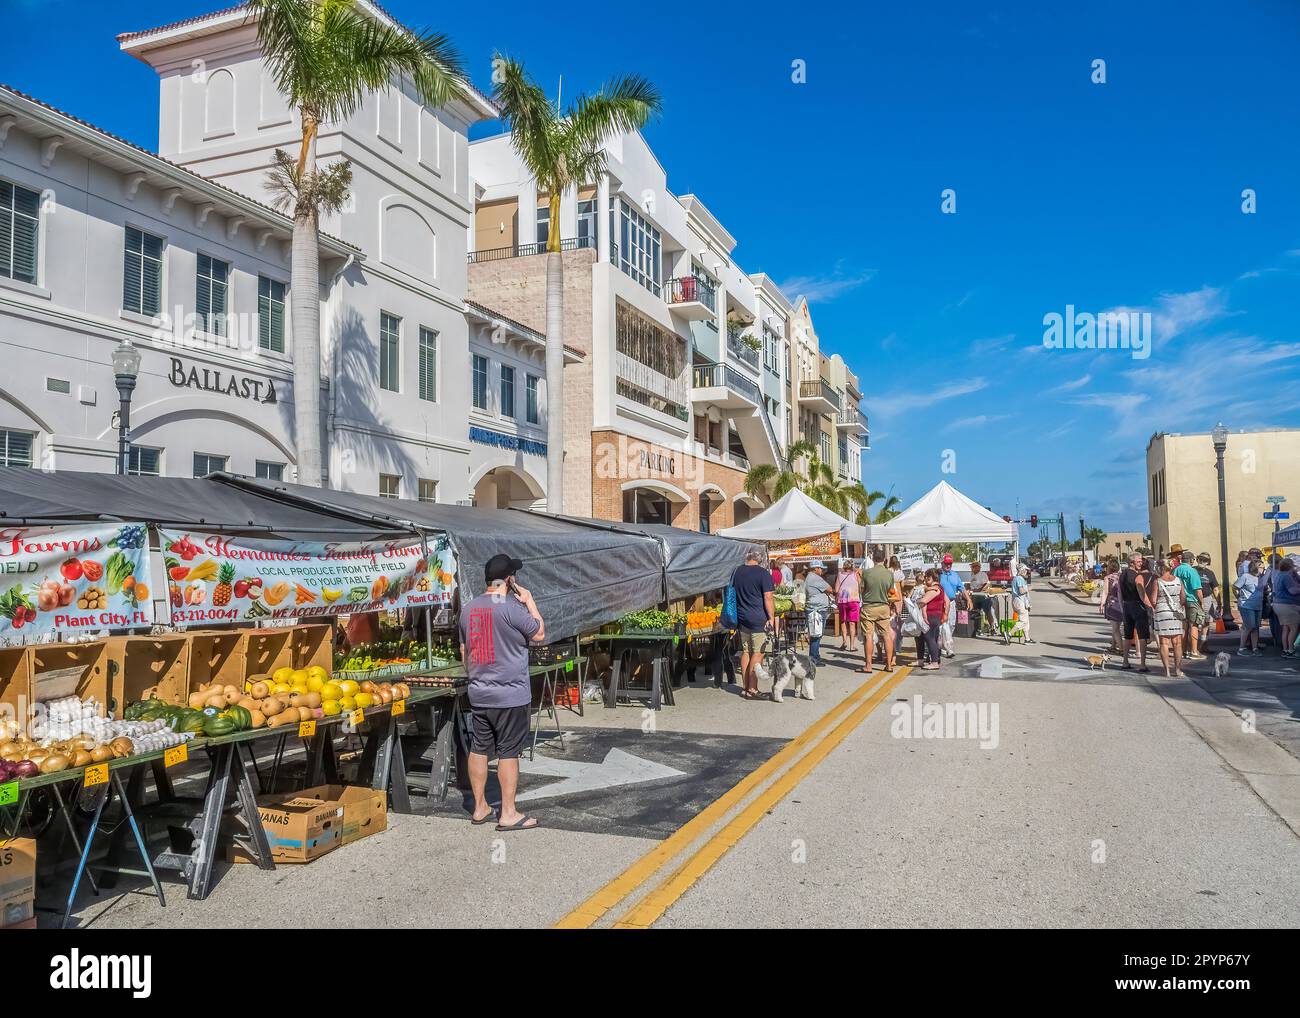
(516, 288)
(616, 459)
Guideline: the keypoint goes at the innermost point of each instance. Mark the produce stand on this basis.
(716, 655)
(658, 648)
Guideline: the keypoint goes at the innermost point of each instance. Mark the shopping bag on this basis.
(816, 624)
(963, 617)
(728, 618)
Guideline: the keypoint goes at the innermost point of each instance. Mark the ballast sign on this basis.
(73, 579)
(215, 578)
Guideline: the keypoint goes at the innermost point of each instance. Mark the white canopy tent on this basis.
(943, 515)
(795, 515)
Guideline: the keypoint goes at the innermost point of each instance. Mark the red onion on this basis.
(26, 769)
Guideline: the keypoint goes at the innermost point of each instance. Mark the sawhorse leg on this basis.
(228, 768)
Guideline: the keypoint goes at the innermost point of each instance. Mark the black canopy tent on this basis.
(40, 498)
(581, 576)
(693, 562)
(582, 572)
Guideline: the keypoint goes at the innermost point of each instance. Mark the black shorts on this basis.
(499, 732)
(1136, 618)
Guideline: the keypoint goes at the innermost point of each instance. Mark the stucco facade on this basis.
(1183, 496)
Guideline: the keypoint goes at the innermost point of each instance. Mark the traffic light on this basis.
(1033, 521)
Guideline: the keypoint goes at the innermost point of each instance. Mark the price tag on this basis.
(96, 774)
(568, 665)
(399, 707)
(9, 793)
(357, 716)
(176, 754)
(306, 729)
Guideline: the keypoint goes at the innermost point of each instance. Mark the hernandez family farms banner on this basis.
(73, 578)
(213, 578)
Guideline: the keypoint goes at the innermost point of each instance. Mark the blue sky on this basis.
(1118, 195)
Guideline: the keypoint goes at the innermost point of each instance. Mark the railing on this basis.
(739, 349)
(685, 289)
(710, 376)
(524, 250)
(819, 388)
(852, 415)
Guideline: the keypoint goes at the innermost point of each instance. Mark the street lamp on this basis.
(126, 368)
(1220, 438)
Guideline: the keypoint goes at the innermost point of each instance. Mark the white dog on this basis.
(784, 667)
(1221, 664)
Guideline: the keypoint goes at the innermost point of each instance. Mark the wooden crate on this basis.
(312, 645)
(15, 684)
(217, 657)
(148, 667)
(265, 650)
(91, 662)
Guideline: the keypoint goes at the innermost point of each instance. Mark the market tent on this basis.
(943, 515)
(38, 497)
(580, 576)
(694, 563)
(794, 515)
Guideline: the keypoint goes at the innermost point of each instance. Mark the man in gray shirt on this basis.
(817, 598)
(496, 629)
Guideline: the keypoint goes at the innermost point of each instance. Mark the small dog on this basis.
(785, 667)
(1222, 662)
(1097, 660)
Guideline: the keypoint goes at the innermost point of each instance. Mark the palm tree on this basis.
(817, 481)
(326, 57)
(561, 149)
(889, 510)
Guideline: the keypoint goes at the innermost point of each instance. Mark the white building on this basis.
(666, 412)
(179, 253)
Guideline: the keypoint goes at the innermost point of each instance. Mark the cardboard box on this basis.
(17, 880)
(365, 810)
(300, 828)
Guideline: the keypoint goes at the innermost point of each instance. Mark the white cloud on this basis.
(826, 287)
(889, 403)
(1077, 383)
(978, 421)
(1176, 313)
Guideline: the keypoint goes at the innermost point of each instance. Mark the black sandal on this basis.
(521, 824)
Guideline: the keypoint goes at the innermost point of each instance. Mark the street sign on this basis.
(1276, 499)
(1277, 516)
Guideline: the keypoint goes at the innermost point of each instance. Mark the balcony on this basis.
(819, 396)
(724, 387)
(524, 250)
(738, 349)
(692, 298)
(852, 420)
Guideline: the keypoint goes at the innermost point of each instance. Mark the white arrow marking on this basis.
(997, 667)
(618, 768)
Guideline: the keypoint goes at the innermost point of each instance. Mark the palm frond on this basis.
(323, 190)
(758, 478)
(625, 104)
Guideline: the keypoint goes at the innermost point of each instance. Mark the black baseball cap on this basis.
(501, 567)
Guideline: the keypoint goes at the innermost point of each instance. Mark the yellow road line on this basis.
(658, 901)
(591, 910)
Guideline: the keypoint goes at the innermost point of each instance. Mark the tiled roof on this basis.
(131, 36)
(520, 326)
(198, 178)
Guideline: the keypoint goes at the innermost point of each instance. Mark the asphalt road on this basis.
(1099, 798)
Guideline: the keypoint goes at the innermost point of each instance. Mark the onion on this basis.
(26, 769)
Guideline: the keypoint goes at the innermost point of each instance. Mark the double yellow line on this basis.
(820, 736)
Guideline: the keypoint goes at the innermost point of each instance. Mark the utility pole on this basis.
(1083, 540)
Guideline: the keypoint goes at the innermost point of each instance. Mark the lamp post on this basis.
(126, 368)
(1220, 437)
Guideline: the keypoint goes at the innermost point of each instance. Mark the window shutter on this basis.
(152, 292)
(131, 272)
(203, 293)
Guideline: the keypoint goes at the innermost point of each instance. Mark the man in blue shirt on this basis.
(1194, 595)
(952, 586)
(755, 611)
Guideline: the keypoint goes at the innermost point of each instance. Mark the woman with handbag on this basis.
(1112, 606)
(934, 603)
(848, 600)
(1168, 617)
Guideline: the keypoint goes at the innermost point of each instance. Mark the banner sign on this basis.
(71, 579)
(214, 578)
(818, 546)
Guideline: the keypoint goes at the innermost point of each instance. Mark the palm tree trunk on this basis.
(304, 303)
(554, 380)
